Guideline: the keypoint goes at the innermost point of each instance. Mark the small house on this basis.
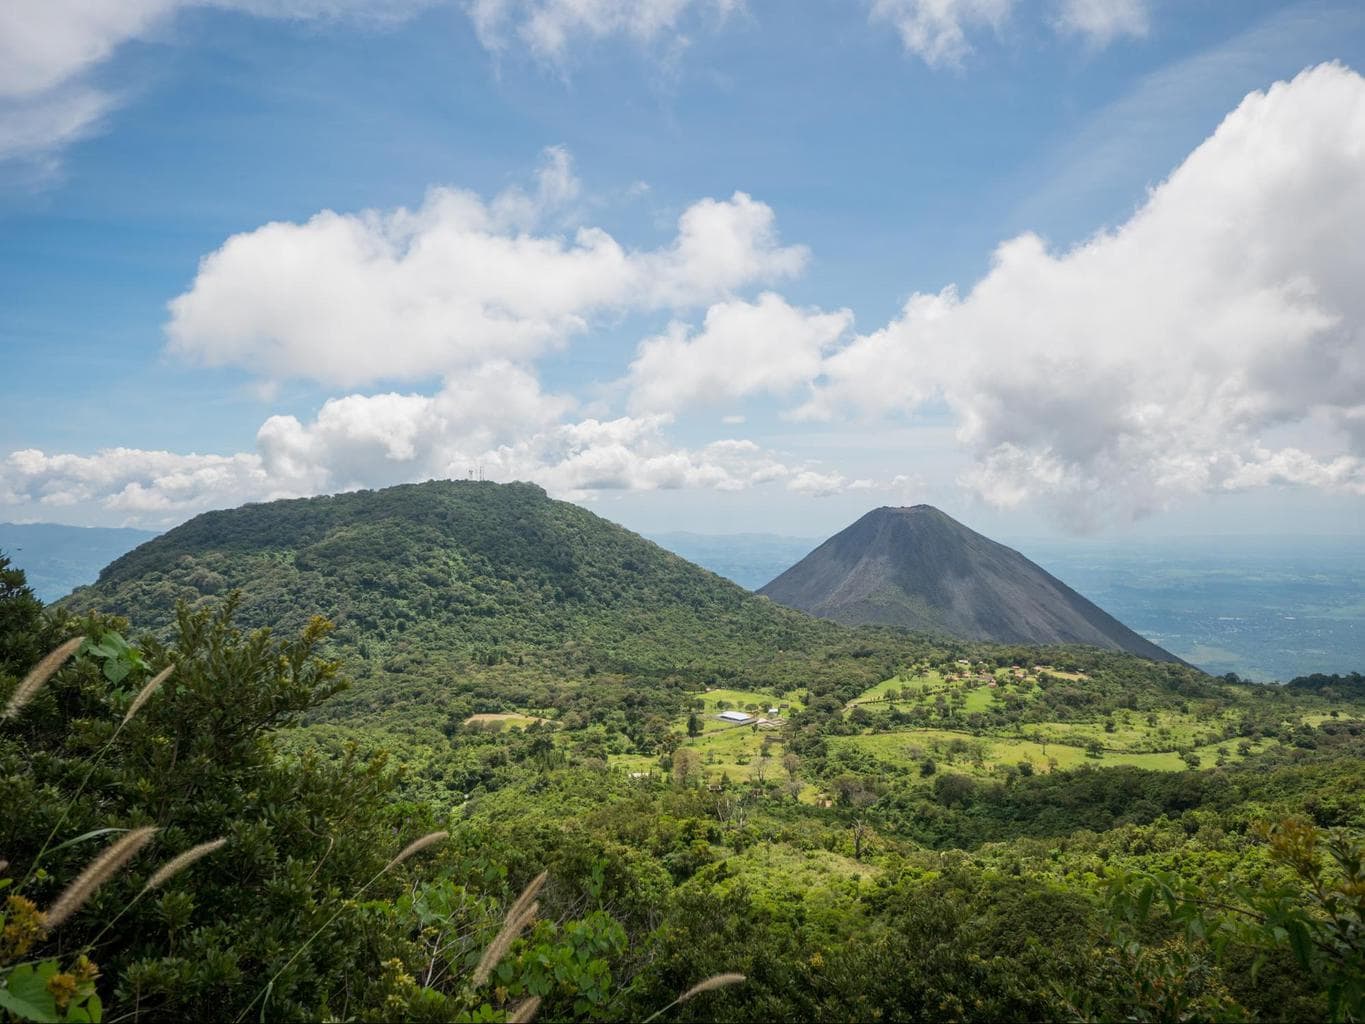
(737, 717)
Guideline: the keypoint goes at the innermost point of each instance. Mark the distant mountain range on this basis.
(919, 568)
(57, 559)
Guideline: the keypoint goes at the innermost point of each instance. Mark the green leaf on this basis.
(1300, 943)
(1144, 901)
(84, 836)
(24, 993)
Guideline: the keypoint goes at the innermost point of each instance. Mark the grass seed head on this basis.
(714, 982)
(41, 673)
(415, 847)
(145, 694)
(178, 864)
(97, 872)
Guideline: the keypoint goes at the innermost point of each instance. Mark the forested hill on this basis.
(490, 573)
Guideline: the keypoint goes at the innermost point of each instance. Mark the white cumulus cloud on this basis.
(1164, 358)
(743, 348)
(494, 420)
(137, 486)
(348, 299)
(815, 484)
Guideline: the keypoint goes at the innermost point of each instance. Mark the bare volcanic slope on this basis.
(919, 568)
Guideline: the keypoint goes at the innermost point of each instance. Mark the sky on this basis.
(1059, 267)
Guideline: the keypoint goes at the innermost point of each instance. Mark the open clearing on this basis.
(506, 718)
(984, 755)
(923, 681)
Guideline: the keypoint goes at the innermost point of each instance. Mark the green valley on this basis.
(866, 823)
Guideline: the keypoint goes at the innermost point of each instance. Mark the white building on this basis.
(740, 717)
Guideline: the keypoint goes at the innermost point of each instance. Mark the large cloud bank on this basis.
(1173, 355)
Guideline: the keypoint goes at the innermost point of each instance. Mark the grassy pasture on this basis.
(739, 700)
(929, 686)
(725, 749)
(925, 681)
(984, 755)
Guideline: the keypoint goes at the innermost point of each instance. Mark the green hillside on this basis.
(480, 587)
(497, 569)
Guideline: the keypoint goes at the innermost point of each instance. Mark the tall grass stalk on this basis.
(160, 877)
(522, 913)
(710, 984)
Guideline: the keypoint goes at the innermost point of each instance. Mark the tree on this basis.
(687, 770)
(761, 768)
(1318, 917)
(694, 726)
(23, 637)
(953, 789)
(196, 760)
(862, 829)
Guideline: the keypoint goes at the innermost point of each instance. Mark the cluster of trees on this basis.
(299, 887)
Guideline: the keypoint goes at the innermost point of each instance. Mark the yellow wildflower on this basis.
(24, 925)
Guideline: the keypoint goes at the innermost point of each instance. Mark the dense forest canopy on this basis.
(397, 709)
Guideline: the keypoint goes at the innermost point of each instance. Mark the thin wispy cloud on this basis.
(942, 33)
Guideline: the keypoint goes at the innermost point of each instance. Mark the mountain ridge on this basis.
(453, 572)
(919, 568)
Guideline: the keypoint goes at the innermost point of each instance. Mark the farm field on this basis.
(986, 755)
(927, 687)
(926, 681)
(727, 750)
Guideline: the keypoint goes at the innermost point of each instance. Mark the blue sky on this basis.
(658, 255)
